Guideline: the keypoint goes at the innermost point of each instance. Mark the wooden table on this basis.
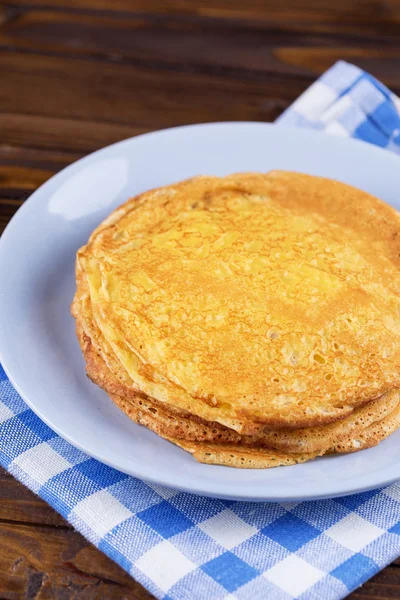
(76, 75)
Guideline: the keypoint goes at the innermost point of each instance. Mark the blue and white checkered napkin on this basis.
(349, 102)
(184, 547)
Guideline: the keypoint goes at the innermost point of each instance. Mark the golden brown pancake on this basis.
(233, 455)
(178, 425)
(257, 454)
(251, 310)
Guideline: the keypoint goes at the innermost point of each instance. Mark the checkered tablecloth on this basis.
(349, 102)
(185, 547)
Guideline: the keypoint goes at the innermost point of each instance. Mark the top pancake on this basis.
(250, 299)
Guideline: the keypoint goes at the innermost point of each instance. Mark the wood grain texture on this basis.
(377, 14)
(77, 75)
(42, 557)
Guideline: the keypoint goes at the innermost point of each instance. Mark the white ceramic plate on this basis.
(38, 347)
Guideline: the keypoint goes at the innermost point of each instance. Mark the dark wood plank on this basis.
(149, 98)
(47, 563)
(72, 89)
(374, 60)
(377, 15)
(19, 505)
(187, 46)
(205, 41)
(16, 185)
(72, 138)
(22, 178)
(384, 586)
(21, 173)
(7, 13)
(207, 44)
(47, 159)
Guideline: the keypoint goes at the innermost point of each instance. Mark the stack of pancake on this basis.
(253, 320)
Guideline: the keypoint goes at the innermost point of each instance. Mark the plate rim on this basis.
(39, 195)
(302, 131)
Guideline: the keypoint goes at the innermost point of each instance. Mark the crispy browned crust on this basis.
(232, 455)
(256, 456)
(229, 455)
(370, 436)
